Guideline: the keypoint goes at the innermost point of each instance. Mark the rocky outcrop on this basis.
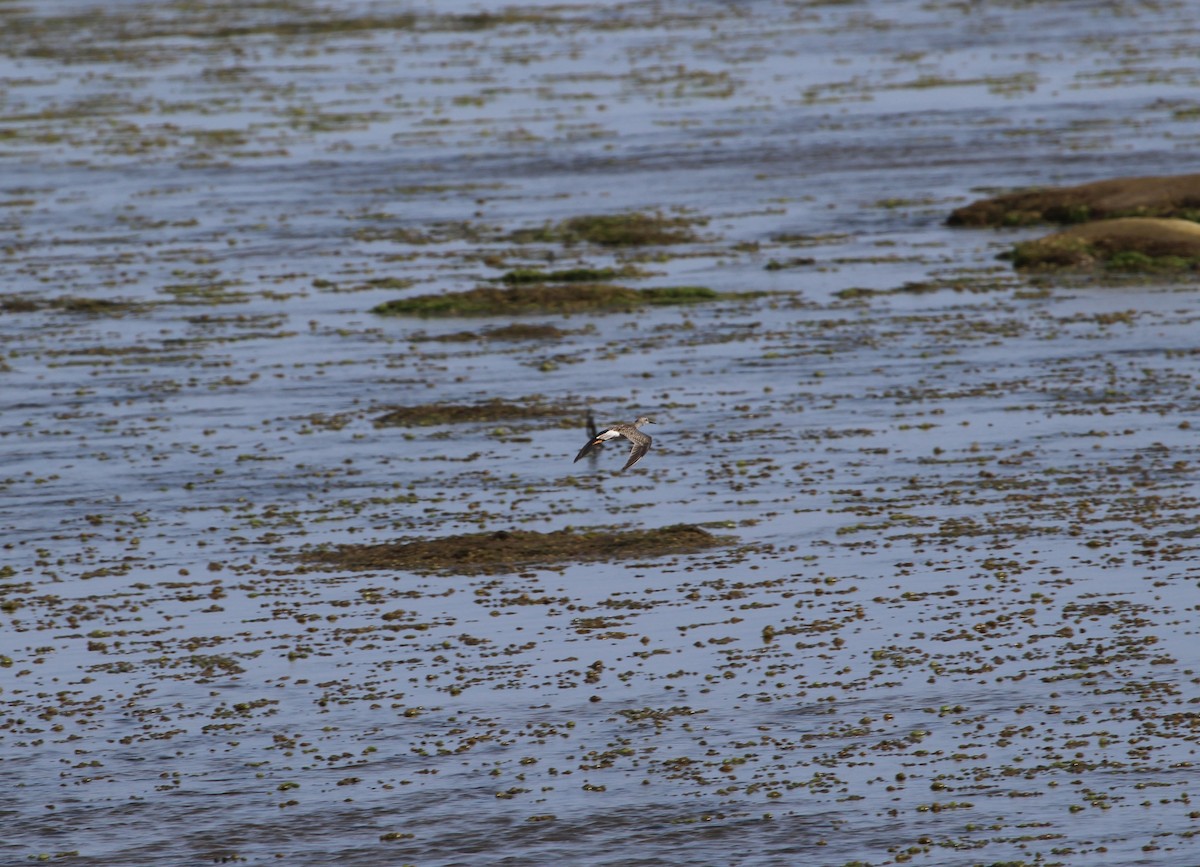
(1129, 244)
(1169, 196)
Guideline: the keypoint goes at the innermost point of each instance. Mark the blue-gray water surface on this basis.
(954, 622)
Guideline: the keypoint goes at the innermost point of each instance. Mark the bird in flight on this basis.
(641, 441)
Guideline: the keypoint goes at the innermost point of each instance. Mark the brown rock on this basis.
(1168, 196)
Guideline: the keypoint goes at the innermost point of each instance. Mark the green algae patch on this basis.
(524, 276)
(1169, 196)
(538, 298)
(68, 304)
(506, 551)
(687, 295)
(429, 414)
(1122, 246)
(634, 229)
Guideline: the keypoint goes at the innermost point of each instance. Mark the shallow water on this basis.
(955, 623)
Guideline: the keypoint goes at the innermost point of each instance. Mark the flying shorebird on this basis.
(641, 441)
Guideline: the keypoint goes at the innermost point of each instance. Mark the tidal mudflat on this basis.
(909, 577)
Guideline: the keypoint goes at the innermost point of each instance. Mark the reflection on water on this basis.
(955, 626)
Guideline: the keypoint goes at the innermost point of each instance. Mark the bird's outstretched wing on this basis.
(640, 446)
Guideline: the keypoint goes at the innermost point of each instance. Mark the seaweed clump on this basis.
(66, 303)
(539, 298)
(634, 229)
(507, 551)
(427, 414)
(523, 276)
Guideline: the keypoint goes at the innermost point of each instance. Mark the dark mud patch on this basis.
(505, 551)
(571, 298)
(1168, 196)
(426, 415)
(1122, 246)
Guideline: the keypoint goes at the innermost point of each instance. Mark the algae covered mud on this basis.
(296, 567)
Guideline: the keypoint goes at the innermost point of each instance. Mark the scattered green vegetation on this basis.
(439, 232)
(1135, 262)
(962, 283)
(366, 285)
